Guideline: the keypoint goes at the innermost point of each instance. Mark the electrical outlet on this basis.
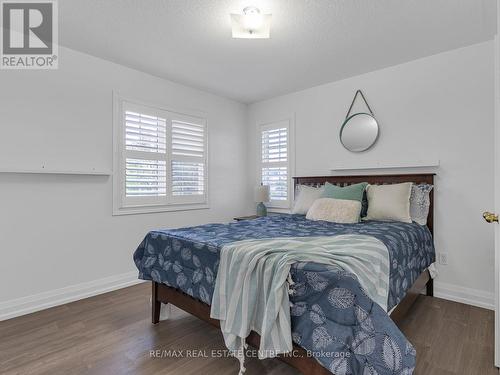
(443, 259)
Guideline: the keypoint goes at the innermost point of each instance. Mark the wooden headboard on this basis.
(384, 179)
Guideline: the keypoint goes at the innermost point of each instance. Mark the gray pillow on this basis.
(420, 202)
(306, 195)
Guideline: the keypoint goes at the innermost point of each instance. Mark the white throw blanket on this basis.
(251, 289)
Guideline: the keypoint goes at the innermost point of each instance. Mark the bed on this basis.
(182, 265)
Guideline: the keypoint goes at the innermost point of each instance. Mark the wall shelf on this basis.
(92, 172)
(381, 165)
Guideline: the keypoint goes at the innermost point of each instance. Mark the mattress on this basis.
(352, 326)
(189, 251)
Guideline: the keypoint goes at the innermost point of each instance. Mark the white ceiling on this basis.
(312, 41)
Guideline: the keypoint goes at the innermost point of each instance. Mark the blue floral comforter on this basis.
(332, 318)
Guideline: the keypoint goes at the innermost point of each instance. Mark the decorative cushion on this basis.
(351, 192)
(306, 195)
(389, 202)
(335, 210)
(420, 203)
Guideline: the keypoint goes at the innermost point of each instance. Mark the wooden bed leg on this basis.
(155, 304)
(430, 287)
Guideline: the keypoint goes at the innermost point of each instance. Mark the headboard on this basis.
(384, 179)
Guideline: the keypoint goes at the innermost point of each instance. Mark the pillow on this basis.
(306, 195)
(351, 192)
(420, 202)
(335, 210)
(389, 202)
(364, 204)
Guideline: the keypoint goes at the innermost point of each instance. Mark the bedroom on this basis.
(71, 300)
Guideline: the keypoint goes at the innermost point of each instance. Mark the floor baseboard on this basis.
(26, 305)
(464, 295)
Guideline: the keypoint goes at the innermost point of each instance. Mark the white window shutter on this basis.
(274, 145)
(145, 133)
(275, 162)
(277, 179)
(145, 168)
(145, 178)
(188, 139)
(188, 163)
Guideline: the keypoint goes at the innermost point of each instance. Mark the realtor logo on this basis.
(29, 34)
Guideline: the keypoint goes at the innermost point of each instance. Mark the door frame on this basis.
(496, 176)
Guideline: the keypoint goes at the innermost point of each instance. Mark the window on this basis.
(275, 162)
(160, 160)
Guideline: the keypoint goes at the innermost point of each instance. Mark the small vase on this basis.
(261, 209)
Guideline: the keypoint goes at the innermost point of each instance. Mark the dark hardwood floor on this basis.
(112, 334)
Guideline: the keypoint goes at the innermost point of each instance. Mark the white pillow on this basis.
(335, 210)
(389, 202)
(420, 202)
(306, 195)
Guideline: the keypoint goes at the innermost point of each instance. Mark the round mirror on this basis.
(359, 132)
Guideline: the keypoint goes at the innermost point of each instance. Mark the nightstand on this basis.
(241, 218)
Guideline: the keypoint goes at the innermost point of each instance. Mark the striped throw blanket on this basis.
(251, 289)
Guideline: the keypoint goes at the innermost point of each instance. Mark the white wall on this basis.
(440, 107)
(59, 241)
(57, 231)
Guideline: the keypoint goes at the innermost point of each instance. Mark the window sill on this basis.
(278, 206)
(158, 209)
(278, 210)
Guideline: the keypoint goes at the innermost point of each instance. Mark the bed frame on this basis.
(308, 365)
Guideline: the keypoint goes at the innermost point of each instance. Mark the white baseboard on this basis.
(45, 300)
(461, 294)
(30, 304)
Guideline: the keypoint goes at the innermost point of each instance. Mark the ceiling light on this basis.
(252, 24)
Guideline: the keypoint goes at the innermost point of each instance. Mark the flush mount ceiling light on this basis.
(252, 24)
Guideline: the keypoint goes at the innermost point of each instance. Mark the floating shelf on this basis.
(380, 165)
(92, 172)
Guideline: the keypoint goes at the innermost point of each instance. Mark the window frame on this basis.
(123, 205)
(277, 124)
